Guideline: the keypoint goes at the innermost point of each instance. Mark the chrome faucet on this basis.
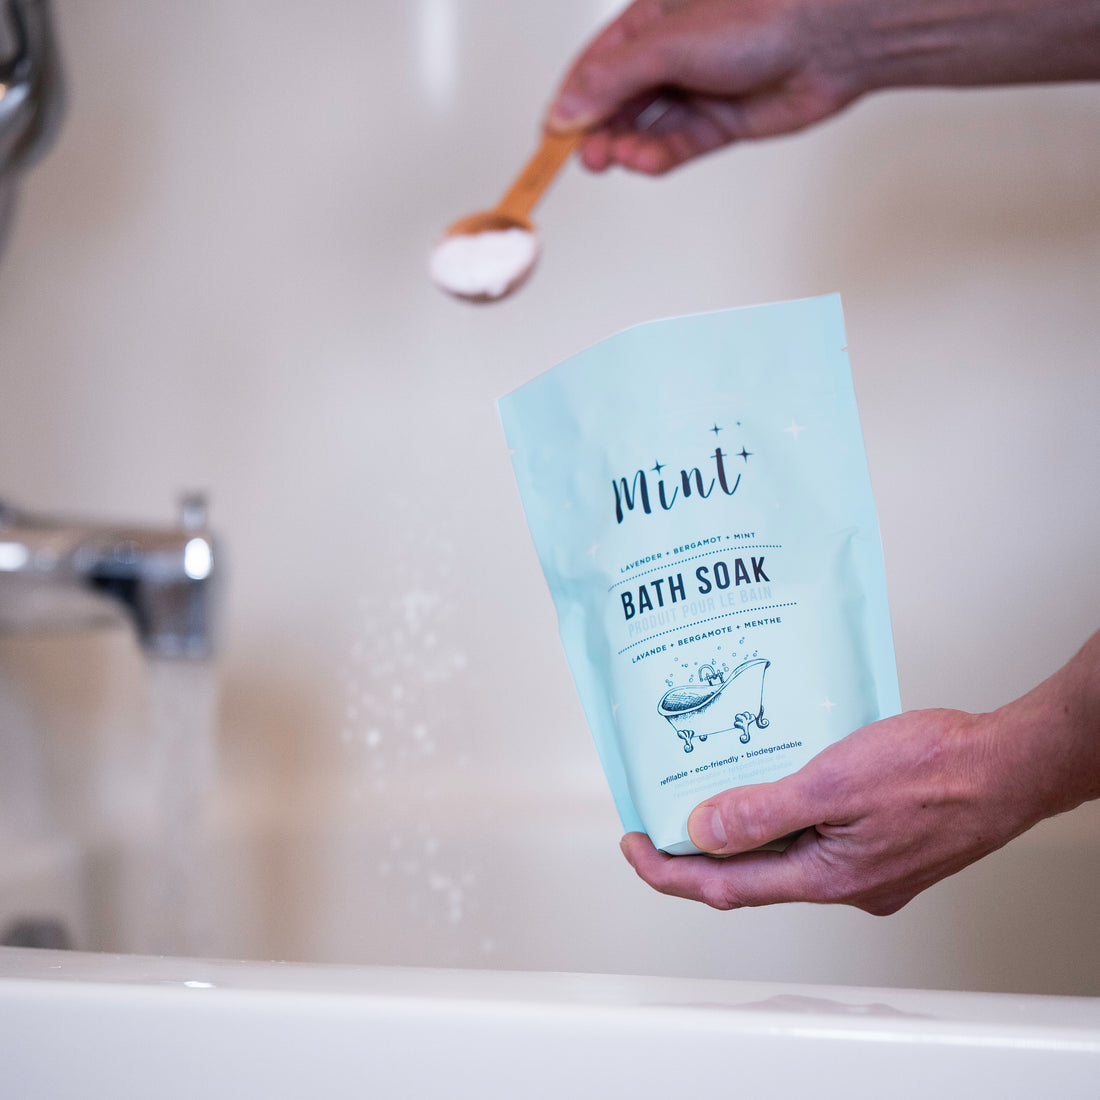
(31, 98)
(63, 575)
(30, 83)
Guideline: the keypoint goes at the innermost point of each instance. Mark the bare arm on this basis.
(897, 805)
(669, 80)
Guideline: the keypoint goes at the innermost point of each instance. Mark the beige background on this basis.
(216, 281)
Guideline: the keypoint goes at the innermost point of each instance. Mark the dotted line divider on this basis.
(695, 557)
(692, 626)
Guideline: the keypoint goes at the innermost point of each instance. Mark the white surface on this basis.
(217, 280)
(93, 1026)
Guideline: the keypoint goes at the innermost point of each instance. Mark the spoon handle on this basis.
(537, 174)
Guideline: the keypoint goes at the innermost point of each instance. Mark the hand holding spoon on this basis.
(487, 255)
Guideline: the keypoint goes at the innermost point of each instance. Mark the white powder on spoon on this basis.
(483, 265)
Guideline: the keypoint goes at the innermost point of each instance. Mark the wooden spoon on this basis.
(514, 209)
(512, 212)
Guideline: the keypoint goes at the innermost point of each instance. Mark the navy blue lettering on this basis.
(628, 496)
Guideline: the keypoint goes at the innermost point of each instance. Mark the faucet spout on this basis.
(63, 575)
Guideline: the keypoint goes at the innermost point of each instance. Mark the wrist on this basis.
(1047, 743)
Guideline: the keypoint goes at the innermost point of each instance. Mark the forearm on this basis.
(1048, 742)
(921, 43)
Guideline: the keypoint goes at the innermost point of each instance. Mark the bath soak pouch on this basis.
(698, 494)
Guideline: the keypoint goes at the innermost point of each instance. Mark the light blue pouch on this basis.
(698, 495)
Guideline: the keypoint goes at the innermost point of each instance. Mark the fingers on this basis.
(675, 131)
(733, 71)
(644, 153)
(756, 878)
(639, 52)
(732, 824)
(744, 818)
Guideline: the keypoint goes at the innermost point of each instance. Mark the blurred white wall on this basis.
(216, 280)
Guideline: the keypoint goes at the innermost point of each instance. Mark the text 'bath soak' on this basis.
(698, 494)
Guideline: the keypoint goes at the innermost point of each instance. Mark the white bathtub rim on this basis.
(1035, 1022)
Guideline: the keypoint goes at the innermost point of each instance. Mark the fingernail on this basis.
(706, 829)
(567, 114)
(625, 848)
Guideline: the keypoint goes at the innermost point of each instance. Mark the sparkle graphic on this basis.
(744, 454)
(794, 429)
(592, 549)
(614, 709)
(716, 430)
(828, 704)
(658, 467)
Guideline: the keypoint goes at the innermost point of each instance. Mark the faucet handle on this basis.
(31, 95)
(13, 45)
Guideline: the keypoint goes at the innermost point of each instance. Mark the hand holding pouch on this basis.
(698, 494)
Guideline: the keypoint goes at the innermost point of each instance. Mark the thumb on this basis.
(744, 818)
(608, 77)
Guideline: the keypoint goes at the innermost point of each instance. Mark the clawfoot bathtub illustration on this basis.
(719, 704)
